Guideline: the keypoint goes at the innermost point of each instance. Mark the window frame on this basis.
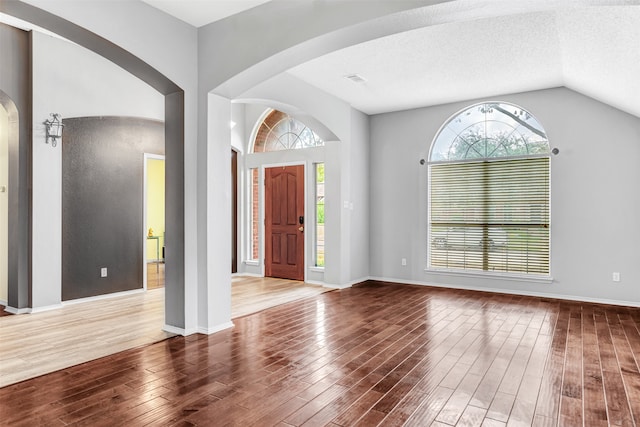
(315, 217)
(479, 273)
(253, 246)
(256, 134)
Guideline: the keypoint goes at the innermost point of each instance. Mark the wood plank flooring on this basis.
(2, 312)
(253, 294)
(375, 354)
(39, 343)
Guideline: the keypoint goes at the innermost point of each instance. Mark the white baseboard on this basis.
(102, 297)
(315, 282)
(345, 285)
(14, 310)
(246, 275)
(217, 328)
(30, 310)
(174, 330)
(45, 308)
(512, 292)
(3, 302)
(198, 330)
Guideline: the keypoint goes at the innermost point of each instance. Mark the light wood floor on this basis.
(39, 343)
(376, 354)
(254, 294)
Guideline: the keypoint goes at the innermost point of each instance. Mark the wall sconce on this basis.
(54, 128)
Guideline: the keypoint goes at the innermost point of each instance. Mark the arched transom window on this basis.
(280, 131)
(489, 192)
(489, 131)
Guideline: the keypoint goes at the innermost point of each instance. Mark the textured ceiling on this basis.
(469, 49)
(593, 50)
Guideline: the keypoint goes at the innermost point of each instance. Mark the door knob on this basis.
(301, 228)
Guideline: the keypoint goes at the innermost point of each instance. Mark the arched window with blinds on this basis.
(489, 192)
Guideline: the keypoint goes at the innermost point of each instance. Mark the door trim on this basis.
(147, 156)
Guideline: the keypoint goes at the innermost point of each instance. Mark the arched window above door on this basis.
(280, 131)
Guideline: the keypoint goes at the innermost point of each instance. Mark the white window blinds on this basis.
(490, 216)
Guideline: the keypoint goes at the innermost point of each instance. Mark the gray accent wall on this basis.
(595, 202)
(149, 36)
(15, 96)
(102, 202)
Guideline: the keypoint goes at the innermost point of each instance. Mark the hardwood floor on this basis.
(2, 312)
(39, 343)
(375, 354)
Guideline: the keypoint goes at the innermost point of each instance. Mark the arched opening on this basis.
(4, 206)
(14, 216)
(489, 192)
(174, 130)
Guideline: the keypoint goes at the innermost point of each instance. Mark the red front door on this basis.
(284, 218)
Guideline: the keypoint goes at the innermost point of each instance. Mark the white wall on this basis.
(4, 205)
(359, 182)
(101, 89)
(594, 204)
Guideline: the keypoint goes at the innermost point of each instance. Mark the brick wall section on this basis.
(269, 122)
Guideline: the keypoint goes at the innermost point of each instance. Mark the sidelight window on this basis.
(319, 244)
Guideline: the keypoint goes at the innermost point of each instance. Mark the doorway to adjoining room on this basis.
(4, 207)
(154, 217)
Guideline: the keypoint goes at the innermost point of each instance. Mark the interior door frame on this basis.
(147, 156)
(262, 219)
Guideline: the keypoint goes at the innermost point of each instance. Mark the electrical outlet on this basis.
(103, 272)
(616, 276)
(404, 261)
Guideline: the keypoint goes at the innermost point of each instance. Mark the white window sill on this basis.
(252, 262)
(317, 269)
(491, 275)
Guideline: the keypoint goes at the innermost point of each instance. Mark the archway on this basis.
(175, 320)
(4, 204)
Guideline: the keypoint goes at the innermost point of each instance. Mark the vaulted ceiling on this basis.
(593, 50)
(470, 49)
